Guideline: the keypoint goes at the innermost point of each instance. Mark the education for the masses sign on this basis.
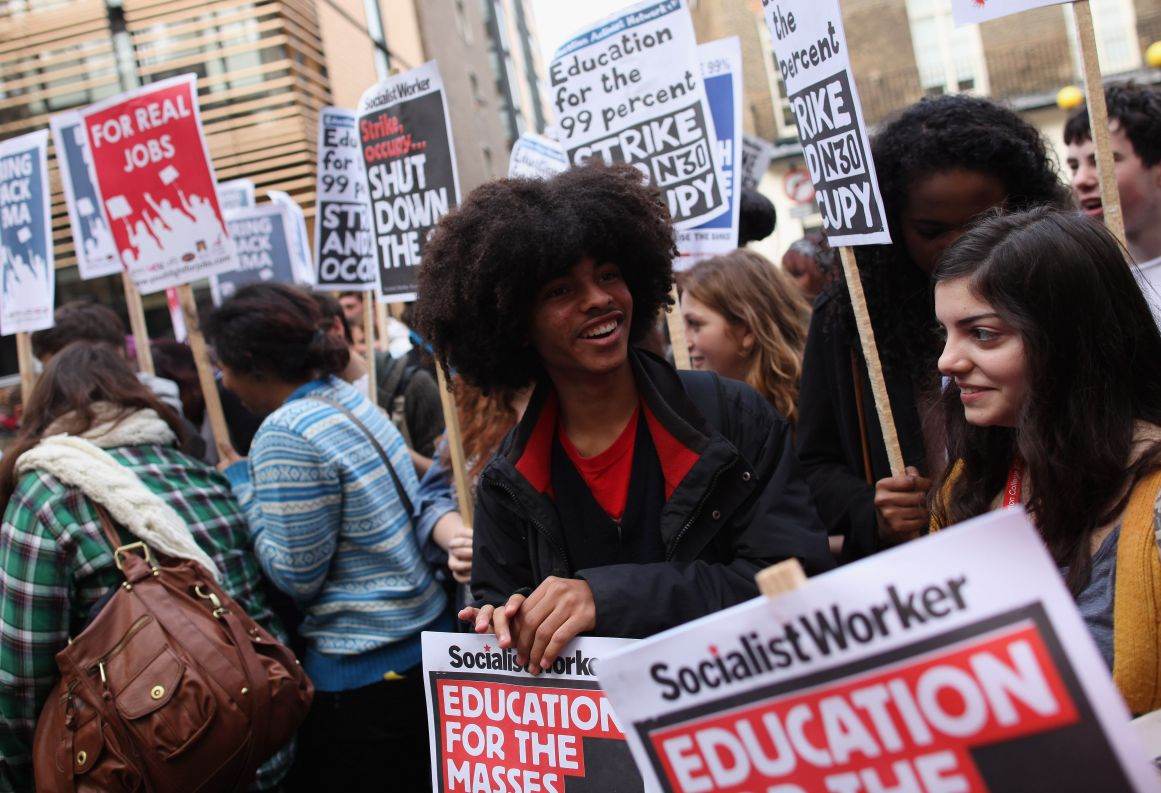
(96, 254)
(536, 157)
(721, 70)
(264, 249)
(342, 220)
(811, 50)
(756, 157)
(629, 89)
(405, 134)
(494, 728)
(954, 663)
(156, 183)
(966, 12)
(27, 278)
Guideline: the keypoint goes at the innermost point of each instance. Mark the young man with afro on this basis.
(630, 498)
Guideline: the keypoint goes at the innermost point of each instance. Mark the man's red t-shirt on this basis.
(607, 474)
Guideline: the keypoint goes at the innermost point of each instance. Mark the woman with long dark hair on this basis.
(1055, 402)
(941, 163)
(93, 435)
(328, 490)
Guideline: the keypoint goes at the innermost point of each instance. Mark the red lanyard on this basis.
(1014, 490)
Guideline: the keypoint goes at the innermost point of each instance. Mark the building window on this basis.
(1115, 24)
(463, 24)
(950, 59)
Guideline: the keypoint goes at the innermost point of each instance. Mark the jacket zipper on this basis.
(541, 529)
(693, 516)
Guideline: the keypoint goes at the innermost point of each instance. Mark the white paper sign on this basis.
(495, 727)
(956, 662)
(236, 194)
(756, 157)
(303, 264)
(536, 157)
(265, 249)
(27, 276)
(966, 12)
(96, 254)
(628, 89)
(342, 220)
(811, 50)
(721, 71)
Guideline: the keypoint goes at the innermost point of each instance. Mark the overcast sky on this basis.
(557, 20)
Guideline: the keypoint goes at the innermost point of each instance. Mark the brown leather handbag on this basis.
(171, 687)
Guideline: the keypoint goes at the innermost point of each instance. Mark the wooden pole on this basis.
(676, 324)
(1098, 120)
(871, 356)
(456, 446)
(197, 343)
(369, 300)
(27, 364)
(137, 324)
(777, 579)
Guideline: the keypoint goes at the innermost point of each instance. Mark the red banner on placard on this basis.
(156, 184)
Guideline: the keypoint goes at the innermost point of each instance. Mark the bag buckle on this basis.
(135, 546)
(219, 610)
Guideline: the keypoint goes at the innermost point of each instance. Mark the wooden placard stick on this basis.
(137, 324)
(1098, 120)
(369, 301)
(777, 579)
(27, 364)
(871, 356)
(197, 344)
(455, 445)
(676, 326)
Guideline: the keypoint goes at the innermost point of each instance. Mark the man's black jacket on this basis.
(742, 506)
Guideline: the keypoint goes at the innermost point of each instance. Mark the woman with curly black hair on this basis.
(629, 498)
(941, 163)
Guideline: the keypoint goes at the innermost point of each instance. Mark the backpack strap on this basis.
(704, 390)
(1137, 600)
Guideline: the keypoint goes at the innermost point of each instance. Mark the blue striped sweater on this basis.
(330, 531)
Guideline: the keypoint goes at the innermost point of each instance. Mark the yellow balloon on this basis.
(1153, 55)
(1069, 97)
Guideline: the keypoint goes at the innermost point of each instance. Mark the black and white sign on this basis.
(342, 221)
(303, 263)
(756, 157)
(236, 194)
(536, 157)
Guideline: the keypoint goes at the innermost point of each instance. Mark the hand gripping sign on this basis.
(342, 221)
(405, 134)
(629, 89)
(494, 728)
(156, 183)
(954, 663)
(26, 254)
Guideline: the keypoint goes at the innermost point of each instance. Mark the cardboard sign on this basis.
(342, 221)
(176, 315)
(262, 239)
(26, 255)
(956, 662)
(966, 12)
(300, 249)
(756, 157)
(405, 133)
(811, 50)
(721, 70)
(236, 194)
(629, 89)
(536, 157)
(153, 174)
(494, 727)
(96, 254)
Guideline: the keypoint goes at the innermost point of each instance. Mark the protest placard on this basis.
(236, 194)
(956, 662)
(966, 12)
(756, 157)
(342, 223)
(301, 258)
(96, 254)
(405, 134)
(153, 174)
(264, 248)
(26, 254)
(629, 89)
(721, 71)
(494, 728)
(536, 157)
(810, 47)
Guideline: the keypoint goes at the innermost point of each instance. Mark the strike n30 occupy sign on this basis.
(494, 728)
(629, 89)
(954, 663)
(811, 49)
(405, 133)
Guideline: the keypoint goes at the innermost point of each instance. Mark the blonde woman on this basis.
(745, 319)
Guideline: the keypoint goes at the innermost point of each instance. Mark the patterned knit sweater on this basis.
(330, 531)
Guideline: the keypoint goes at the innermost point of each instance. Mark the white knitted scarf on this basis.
(81, 461)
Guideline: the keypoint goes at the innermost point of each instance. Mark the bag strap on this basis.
(399, 489)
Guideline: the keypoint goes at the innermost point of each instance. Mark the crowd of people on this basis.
(613, 494)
